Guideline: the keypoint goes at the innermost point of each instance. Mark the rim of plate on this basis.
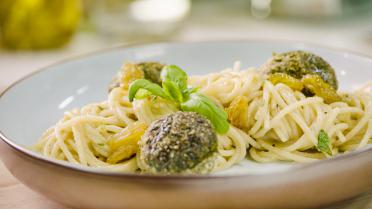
(88, 170)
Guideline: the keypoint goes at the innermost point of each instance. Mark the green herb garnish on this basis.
(174, 87)
(174, 74)
(173, 91)
(324, 145)
(154, 88)
(204, 106)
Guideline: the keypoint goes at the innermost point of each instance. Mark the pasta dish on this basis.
(159, 120)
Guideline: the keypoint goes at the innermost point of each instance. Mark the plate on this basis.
(36, 102)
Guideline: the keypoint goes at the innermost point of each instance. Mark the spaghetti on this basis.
(275, 122)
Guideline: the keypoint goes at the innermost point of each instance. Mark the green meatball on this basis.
(181, 142)
(133, 71)
(151, 70)
(300, 63)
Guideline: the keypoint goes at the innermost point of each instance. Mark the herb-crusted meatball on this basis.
(300, 63)
(133, 71)
(178, 143)
(151, 70)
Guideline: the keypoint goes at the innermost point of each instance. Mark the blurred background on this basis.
(34, 33)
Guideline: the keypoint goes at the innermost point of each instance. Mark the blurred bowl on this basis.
(134, 20)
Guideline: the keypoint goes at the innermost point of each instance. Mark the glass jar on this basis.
(38, 24)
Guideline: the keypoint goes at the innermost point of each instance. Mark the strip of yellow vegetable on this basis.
(237, 112)
(286, 79)
(129, 73)
(320, 88)
(125, 143)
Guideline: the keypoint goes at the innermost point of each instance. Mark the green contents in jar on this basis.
(38, 24)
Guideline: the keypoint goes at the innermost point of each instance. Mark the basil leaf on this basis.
(175, 74)
(155, 89)
(172, 90)
(142, 93)
(206, 107)
(324, 143)
(189, 91)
